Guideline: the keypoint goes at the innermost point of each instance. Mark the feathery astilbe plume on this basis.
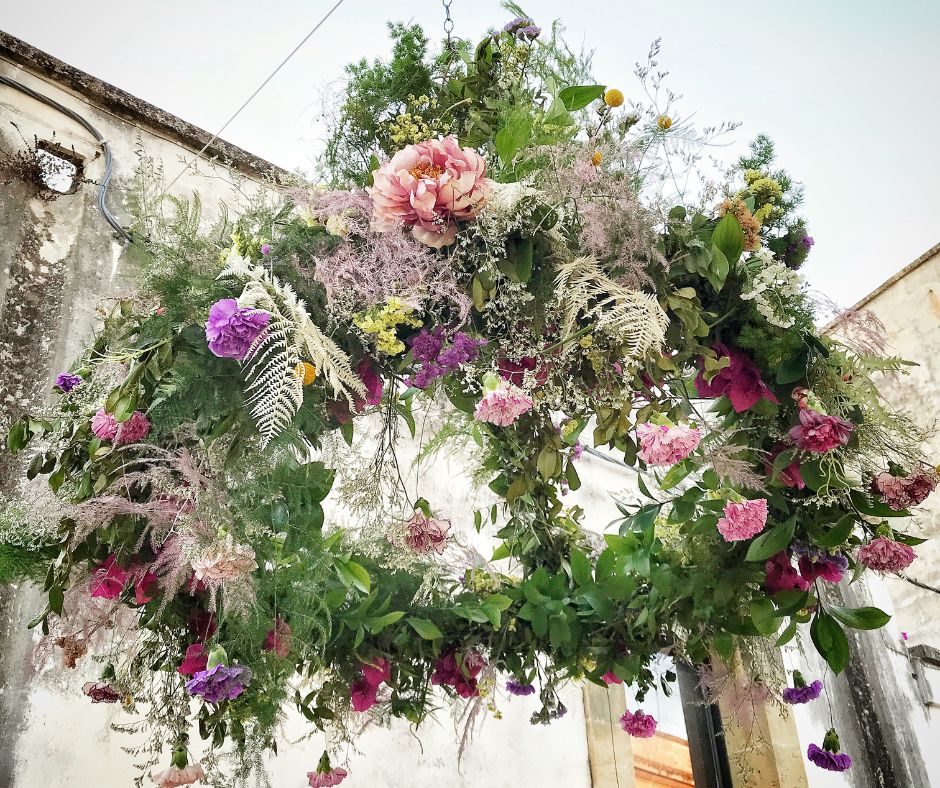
(630, 317)
(365, 272)
(275, 391)
(734, 470)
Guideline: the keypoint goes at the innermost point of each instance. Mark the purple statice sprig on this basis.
(523, 27)
(801, 692)
(220, 682)
(66, 381)
(437, 357)
(514, 687)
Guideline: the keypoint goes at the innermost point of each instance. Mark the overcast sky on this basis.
(846, 88)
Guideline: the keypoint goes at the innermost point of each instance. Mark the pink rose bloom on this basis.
(196, 660)
(503, 406)
(638, 724)
(610, 678)
(885, 555)
(662, 445)
(108, 579)
(820, 433)
(327, 779)
(740, 381)
(134, 430)
(782, 576)
(429, 186)
(426, 534)
(791, 476)
(278, 638)
(104, 425)
(743, 520)
(175, 776)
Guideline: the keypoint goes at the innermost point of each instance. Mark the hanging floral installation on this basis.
(508, 250)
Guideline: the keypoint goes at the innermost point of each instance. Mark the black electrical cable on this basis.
(108, 159)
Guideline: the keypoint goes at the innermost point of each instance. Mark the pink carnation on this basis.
(327, 779)
(503, 406)
(902, 492)
(134, 430)
(820, 433)
(884, 555)
(743, 520)
(426, 534)
(662, 445)
(428, 187)
(174, 777)
(104, 425)
(638, 724)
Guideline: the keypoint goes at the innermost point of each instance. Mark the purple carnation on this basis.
(220, 682)
(514, 687)
(804, 694)
(231, 330)
(832, 761)
(67, 381)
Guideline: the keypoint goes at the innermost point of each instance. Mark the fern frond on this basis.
(630, 317)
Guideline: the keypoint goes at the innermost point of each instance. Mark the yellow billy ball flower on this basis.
(613, 97)
(664, 122)
(597, 158)
(306, 372)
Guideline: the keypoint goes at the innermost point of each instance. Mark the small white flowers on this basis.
(772, 288)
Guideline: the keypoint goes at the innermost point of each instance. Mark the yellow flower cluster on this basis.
(413, 125)
(664, 122)
(383, 322)
(767, 193)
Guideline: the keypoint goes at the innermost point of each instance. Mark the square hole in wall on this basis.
(60, 170)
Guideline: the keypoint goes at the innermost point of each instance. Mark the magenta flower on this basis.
(231, 330)
(134, 430)
(611, 678)
(815, 563)
(194, 661)
(503, 406)
(782, 576)
(461, 675)
(429, 187)
(100, 692)
(515, 371)
(364, 691)
(104, 425)
(278, 638)
(108, 579)
(664, 445)
(818, 432)
(801, 692)
(885, 555)
(740, 381)
(514, 687)
(372, 380)
(743, 520)
(638, 724)
(220, 682)
(903, 492)
(426, 534)
(67, 381)
(265, 249)
(791, 476)
(143, 582)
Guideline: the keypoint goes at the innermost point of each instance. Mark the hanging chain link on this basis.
(448, 24)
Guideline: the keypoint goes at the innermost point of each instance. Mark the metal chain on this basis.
(448, 24)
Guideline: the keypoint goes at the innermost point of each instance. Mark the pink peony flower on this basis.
(503, 406)
(429, 187)
(134, 430)
(426, 534)
(327, 779)
(108, 579)
(662, 445)
(791, 476)
(820, 433)
(638, 724)
(104, 425)
(740, 381)
(743, 520)
(195, 661)
(782, 576)
(278, 638)
(884, 555)
(903, 492)
(176, 776)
